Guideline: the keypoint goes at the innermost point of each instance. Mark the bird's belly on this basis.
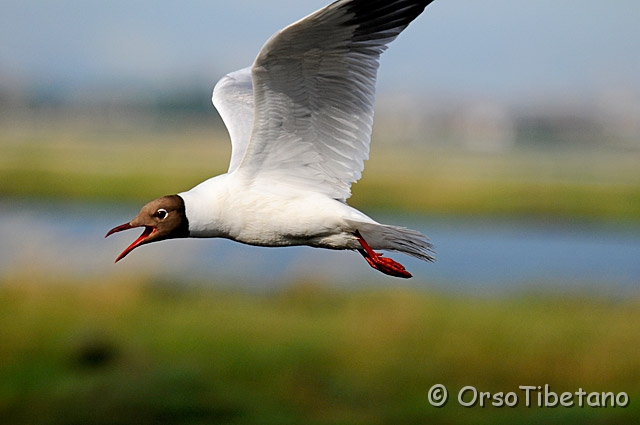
(291, 231)
(301, 221)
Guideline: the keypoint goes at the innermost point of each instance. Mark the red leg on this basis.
(378, 262)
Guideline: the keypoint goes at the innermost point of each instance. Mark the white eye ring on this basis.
(162, 213)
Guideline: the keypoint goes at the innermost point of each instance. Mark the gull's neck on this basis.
(204, 207)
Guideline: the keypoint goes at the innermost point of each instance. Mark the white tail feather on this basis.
(395, 238)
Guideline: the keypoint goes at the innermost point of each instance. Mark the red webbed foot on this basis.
(380, 263)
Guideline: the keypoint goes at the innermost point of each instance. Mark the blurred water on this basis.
(476, 255)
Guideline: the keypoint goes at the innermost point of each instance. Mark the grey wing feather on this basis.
(314, 90)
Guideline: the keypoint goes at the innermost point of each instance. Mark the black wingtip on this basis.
(383, 16)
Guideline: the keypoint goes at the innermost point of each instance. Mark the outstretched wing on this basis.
(233, 98)
(314, 89)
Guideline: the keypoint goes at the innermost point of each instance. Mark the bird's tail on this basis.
(395, 238)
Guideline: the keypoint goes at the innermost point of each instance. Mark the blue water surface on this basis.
(478, 255)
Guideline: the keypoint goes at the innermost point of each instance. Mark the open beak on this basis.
(148, 231)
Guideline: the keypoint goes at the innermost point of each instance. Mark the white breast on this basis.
(268, 213)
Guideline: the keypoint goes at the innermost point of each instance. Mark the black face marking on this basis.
(173, 212)
(162, 218)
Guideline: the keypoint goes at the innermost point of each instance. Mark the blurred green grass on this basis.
(75, 163)
(142, 351)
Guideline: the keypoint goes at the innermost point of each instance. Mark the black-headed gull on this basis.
(300, 122)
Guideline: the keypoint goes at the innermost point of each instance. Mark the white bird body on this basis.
(295, 216)
(300, 121)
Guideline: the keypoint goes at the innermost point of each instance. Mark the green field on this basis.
(146, 352)
(134, 350)
(93, 164)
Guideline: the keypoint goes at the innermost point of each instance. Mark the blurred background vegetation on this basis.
(84, 142)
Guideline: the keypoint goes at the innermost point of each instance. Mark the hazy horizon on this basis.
(505, 49)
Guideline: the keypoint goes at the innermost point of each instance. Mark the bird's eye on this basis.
(161, 213)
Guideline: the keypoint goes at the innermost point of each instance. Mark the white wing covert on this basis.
(314, 90)
(233, 98)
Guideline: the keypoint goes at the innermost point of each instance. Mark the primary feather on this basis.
(307, 105)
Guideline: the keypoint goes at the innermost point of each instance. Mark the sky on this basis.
(502, 48)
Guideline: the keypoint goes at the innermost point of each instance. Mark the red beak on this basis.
(148, 231)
